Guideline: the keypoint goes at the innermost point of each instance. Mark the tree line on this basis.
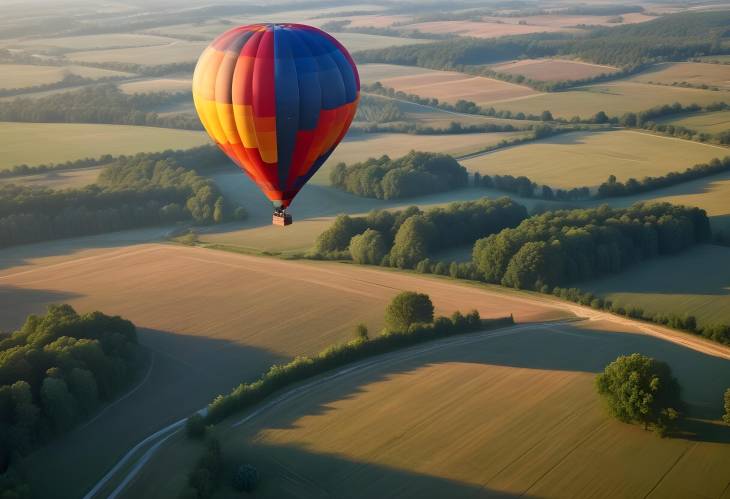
(614, 188)
(673, 37)
(201, 158)
(55, 371)
(404, 238)
(415, 174)
(524, 187)
(135, 192)
(104, 103)
(560, 247)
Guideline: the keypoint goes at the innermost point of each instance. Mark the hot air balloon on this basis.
(277, 99)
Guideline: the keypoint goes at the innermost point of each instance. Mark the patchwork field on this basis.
(361, 146)
(21, 75)
(715, 122)
(673, 285)
(569, 21)
(694, 73)
(553, 69)
(359, 41)
(588, 158)
(370, 73)
(615, 98)
(105, 41)
(211, 319)
(460, 421)
(450, 86)
(480, 29)
(67, 141)
(177, 51)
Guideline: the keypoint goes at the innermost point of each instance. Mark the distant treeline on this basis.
(404, 238)
(415, 174)
(673, 37)
(200, 158)
(56, 371)
(614, 188)
(68, 80)
(645, 119)
(454, 128)
(561, 247)
(526, 188)
(343, 26)
(133, 192)
(103, 103)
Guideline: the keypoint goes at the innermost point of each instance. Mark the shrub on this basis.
(726, 416)
(361, 332)
(368, 247)
(408, 308)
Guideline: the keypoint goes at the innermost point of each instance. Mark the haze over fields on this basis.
(510, 279)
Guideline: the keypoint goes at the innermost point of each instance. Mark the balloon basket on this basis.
(281, 218)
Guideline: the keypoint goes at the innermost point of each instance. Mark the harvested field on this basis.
(57, 180)
(420, 421)
(370, 73)
(177, 51)
(614, 98)
(480, 29)
(211, 319)
(553, 69)
(450, 86)
(157, 85)
(588, 158)
(92, 42)
(694, 73)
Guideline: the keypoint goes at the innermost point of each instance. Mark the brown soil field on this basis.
(481, 29)
(451, 86)
(694, 73)
(553, 69)
(211, 319)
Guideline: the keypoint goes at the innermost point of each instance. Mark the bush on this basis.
(408, 308)
(639, 389)
(368, 247)
(246, 478)
(361, 332)
(195, 426)
(726, 416)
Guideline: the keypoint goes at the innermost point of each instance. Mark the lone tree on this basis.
(726, 417)
(408, 308)
(639, 389)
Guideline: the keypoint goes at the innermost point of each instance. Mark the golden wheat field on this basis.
(553, 69)
(210, 319)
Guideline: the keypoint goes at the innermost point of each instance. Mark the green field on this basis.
(714, 122)
(36, 143)
(587, 158)
(615, 98)
(158, 85)
(512, 415)
(695, 282)
(22, 75)
(58, 179)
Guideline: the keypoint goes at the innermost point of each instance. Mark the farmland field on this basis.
(695, 73)
(89, 42)
(158, 85)
(58, 179)
(370, 73)
(68, 141)
(587, 158)
(359, 41)
(480, 29)
(21, 75)
(615, 98)
(671, 285)
(359, 147)
(713, 122)
(177, 51)
(211, 319)
(450, 86)
(461, 421)
(553, 69)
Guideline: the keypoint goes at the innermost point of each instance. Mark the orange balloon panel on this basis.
(277, 99)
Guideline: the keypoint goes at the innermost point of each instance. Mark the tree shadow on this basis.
(186, 372)
(294, 471)
(18, 303)
(577, 347)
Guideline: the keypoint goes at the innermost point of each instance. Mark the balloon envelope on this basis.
(277, 99)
